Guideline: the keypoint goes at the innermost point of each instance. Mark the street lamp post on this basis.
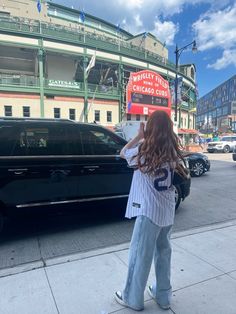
(178, 52)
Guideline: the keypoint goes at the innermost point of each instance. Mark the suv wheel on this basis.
(178, 195)
(226, 149)
(197, 168)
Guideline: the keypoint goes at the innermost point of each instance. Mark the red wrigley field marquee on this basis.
(147, 91)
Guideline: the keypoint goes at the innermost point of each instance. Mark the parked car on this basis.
(225, 145)
(47, 162)
(198, 163)
(234, 153)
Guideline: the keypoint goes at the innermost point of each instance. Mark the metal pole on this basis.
(176, 81)
(85, 90)
(207, 119)
(120, 89)
(41, 80)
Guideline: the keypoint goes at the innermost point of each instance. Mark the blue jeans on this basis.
(148, 242)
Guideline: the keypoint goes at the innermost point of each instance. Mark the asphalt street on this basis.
(32, 239)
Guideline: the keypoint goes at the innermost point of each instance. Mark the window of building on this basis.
(190, 124)
(72, 114)
(26, 111)
(185, 122)
(146, 117)
(8, 111)
(137, 117)
(128, 116)
(192, 73)
(97, 115)
(219, 112)
(109, 116)
(57, 113)
(225, 110)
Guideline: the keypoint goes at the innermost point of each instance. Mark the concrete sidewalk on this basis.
(203, 278)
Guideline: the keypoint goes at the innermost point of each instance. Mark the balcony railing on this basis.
(26, 81)
(78, 36)
(19, 80)
(102, 89)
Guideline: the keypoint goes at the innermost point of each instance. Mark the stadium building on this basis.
(57, 62)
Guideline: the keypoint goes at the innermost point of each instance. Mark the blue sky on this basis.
(212, 23)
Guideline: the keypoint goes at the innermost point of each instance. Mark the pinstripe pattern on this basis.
(144, 199)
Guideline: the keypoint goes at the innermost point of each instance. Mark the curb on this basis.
(102, 251)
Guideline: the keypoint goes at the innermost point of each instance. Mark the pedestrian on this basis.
(154, 153)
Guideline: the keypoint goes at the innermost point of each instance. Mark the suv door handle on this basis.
(90, 168)
(18, 171)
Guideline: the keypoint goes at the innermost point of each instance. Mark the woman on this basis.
(154, 153)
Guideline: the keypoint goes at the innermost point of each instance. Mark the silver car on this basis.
(226, 144)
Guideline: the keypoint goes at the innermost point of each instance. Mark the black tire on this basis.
(197, 168)
(178, 196)
(226, 149)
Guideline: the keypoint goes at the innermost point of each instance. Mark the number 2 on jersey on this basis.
(164, 175)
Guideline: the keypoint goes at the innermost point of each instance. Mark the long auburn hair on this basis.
(160, 144)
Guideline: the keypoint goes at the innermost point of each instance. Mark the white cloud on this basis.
(140, 15)
(138, 22)
(228, 58)
(165, 7)
(217, 30)
(165, 31)
(131, 4)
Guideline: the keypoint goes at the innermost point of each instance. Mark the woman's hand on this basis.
(141, 130)
(132, 143)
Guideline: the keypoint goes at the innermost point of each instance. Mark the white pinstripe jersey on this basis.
(151, 196)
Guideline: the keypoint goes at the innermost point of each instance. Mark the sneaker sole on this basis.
(122, 302)
(164, 307)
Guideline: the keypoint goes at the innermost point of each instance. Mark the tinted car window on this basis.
(10, 141)
(35, 140)
(74, 140)
(65, 140)
(96, 141)
(46, 140)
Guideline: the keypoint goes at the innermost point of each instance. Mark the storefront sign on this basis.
(65, 84)
(146, 92)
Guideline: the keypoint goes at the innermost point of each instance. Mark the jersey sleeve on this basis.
(130, 156)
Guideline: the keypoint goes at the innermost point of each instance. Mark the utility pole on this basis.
(41, 56)
(85, 64)
(120, 86)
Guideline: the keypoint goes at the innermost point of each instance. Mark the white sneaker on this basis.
(162, 306)
(118, 298)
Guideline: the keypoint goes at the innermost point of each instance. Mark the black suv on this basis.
(48, 162)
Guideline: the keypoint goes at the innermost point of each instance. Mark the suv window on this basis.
(42, 139)
(9, 141)
(96, 141)
(226, 139)
(48, 140)
(34, 140)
